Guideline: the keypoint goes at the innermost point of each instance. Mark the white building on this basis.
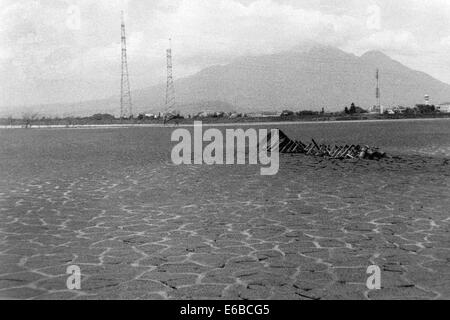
(378, 109)
(444, 107)
(399, 109)
(374, 109)
(265, 114)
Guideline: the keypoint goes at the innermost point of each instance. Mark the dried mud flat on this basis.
(141, 228)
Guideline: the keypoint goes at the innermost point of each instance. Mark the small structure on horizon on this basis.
(443, 107)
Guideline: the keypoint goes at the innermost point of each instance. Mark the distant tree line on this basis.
(352, 112)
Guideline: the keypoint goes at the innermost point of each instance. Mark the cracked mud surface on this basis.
(141, 228)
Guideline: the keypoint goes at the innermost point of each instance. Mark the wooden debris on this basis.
(286, 145)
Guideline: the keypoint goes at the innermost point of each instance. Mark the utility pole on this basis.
(126, 107)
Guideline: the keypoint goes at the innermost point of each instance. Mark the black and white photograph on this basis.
(240, 152)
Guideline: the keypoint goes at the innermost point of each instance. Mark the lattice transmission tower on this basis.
(170, 89)
(126, 106)
(377, 92)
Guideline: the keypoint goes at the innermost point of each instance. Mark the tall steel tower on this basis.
(126, 107)
(170, 89)
(377, 93)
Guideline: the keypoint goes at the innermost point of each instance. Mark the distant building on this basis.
(390, 111)
(266, 114)
(443, 107)
(374, 109)
(287, 113)
(271, 114)
(399, 109)
(377, 109)
(205, 114)
(254, 115)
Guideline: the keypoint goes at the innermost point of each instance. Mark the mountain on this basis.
(307, 77)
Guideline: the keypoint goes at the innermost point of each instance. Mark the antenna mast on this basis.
(126, 107)
(170, 89)
(378, 96)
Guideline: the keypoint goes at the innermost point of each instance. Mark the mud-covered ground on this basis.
(111, 202)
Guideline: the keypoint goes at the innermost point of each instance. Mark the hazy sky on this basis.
(69, 50)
